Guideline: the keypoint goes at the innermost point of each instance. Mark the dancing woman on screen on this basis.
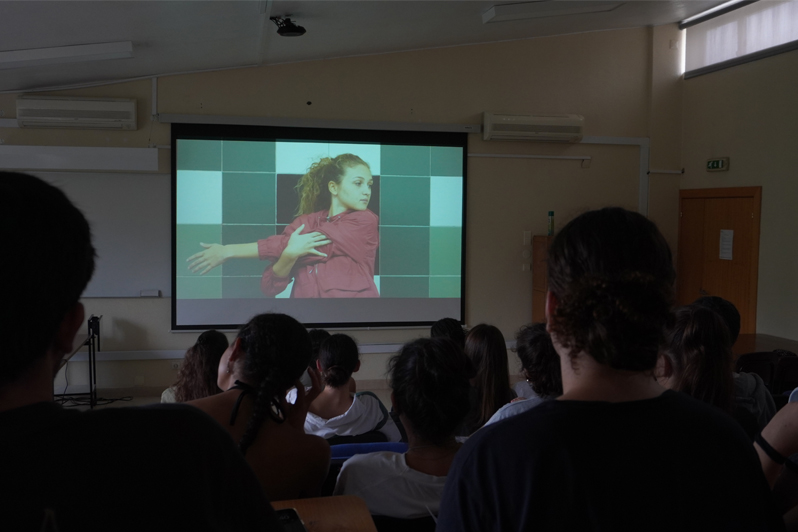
(329, 248)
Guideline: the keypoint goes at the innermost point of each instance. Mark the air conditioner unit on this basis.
(76, 113)
(559, 128)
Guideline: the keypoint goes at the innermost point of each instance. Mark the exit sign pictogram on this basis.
(718, 165)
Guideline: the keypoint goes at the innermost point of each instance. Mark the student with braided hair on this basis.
(266, 359)
(329, 249)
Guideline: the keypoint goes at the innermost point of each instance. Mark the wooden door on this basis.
(706, 216)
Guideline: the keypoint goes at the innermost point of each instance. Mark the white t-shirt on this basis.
(523, 389)
(366, 414)
(513, 409)
(389, 486)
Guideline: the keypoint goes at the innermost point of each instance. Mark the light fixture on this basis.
(541, 9)
(287, 28)
(714, 12)
(65, 54)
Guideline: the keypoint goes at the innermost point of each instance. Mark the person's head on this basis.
(449, 328)
(726, 310)
(269, 353)
(338, 359)
(50, 261)
(345, 179)
(430, 384)
(317, 336)
(198, 375)
(539, 360)
(698, 359)
(487, 351)
(611, 280)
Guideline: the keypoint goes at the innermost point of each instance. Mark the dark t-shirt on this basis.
(668, 463)
(164, 467)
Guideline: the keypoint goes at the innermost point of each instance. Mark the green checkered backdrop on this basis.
(234, 192)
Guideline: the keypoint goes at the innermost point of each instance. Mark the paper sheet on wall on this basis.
(726, 244)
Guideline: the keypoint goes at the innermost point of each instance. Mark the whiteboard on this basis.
(130, 217)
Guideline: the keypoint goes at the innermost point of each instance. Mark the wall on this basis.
(621, 81)
(749, 113)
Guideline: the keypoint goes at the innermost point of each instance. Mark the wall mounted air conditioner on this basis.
(76, 113)
(506, 126)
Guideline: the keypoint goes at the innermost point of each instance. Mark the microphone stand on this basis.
(92, 341)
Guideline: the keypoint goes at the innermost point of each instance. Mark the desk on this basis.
(332, 514)
(754, 343)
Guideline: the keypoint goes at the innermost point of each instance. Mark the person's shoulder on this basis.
(365, 217)
(513, 409)
(168, 420)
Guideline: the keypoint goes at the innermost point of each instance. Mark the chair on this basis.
(786, 378)
(394, 524)
(374, 436)
(762, 363)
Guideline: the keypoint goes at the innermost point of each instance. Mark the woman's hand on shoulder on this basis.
(300, 245)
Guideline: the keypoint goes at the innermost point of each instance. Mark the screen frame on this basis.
(230, 132)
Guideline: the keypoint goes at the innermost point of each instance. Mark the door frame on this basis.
(733, 192)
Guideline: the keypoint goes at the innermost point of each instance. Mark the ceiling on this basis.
(172, 37)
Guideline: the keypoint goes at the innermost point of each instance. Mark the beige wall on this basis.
(624, 82)
(750, 114)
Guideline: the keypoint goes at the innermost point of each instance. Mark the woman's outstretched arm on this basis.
(217, 254)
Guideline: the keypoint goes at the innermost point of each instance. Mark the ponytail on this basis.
(314, 194)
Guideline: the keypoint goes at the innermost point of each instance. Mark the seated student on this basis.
(541, 368)
(266, 358)
(750, 391)
(697, 360)
(102, 469)
(197, 376)
(616, 451)
(777, 446)
(449, 328)
(317, 336)
(487, 350)
(430, 384)
(336, 411)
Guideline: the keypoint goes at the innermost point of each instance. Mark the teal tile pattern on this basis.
(199, 155)
(248, 198)
(405, 160)
(446, 161)
(242, 156)
(199, 287)
(241, 287)
(419, 204)
(404, 286)
(404, 251)
(444, 286)
(404, 200)
(445, 250)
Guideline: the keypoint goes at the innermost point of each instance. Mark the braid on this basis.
(312, 187)
(277, 350)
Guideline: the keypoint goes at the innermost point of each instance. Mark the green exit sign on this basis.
(718, 165)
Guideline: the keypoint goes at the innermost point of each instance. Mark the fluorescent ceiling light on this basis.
(65, 54)
(720, 7)
(543, 9)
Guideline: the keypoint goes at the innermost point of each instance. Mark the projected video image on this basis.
(286, 219)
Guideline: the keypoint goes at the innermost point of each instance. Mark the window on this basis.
(751, 32)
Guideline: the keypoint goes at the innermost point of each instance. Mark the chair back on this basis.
(374, 436)
(394, 524)
(786, 379)
(762, 363)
